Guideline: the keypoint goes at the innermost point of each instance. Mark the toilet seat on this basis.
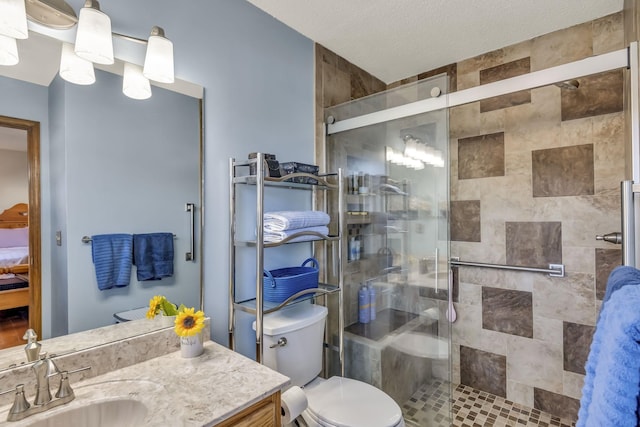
(343, 402)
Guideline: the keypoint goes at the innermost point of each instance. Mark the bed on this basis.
(14, 257)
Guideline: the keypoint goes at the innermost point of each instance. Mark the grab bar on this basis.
(191, 255)
(554, 270)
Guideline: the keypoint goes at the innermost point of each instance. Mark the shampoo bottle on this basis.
(372, 302)
(364, 310)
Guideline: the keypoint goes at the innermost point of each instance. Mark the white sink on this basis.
(107, 413)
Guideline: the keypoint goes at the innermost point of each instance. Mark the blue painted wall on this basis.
(259, 91)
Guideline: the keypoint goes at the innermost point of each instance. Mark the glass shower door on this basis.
(396, 251)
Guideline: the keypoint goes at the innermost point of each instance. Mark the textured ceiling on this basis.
(394, 39)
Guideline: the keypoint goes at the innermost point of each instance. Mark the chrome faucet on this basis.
(44, 369)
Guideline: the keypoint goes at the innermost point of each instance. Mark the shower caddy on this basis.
(258, 306)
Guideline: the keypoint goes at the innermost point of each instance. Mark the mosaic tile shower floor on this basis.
(428, 407)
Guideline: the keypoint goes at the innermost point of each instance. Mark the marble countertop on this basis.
(201, 391)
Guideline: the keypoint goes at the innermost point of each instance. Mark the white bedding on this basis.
(13, 256)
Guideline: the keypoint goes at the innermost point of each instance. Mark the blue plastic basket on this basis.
(280, 284)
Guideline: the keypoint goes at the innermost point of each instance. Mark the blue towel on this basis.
(153, 255)
(621, 276)
(112, 255)
(612, 382)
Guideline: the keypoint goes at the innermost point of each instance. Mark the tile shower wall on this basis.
(535, 175)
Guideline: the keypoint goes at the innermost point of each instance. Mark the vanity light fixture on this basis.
(13, 19)
(134, 84)
(93, 44)
(93, 39)
(13, 25)
(75, 69)
(8, 51)
(158, 60)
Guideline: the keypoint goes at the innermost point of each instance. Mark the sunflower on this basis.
(189, 322)
(154, 306)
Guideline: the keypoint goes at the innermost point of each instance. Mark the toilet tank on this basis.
(302, 325)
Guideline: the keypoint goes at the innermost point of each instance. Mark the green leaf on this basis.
(181, 308)
(168, 308)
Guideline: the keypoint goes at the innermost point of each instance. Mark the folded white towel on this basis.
(277, 236)
(289, 220)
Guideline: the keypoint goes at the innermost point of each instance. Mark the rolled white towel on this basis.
(289, 220)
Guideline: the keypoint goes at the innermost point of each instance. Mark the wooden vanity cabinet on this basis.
(265, 413)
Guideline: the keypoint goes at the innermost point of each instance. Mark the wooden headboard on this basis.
(15, 217)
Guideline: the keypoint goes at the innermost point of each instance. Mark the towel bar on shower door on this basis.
(554, 270)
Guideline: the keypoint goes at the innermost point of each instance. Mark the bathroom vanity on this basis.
(218, 388)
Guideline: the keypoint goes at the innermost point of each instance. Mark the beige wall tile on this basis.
(480, 62)
(534, 363)
(578, 259)
(570, 298)
(585, 216)
(467, 331)
(548, 330)
(572, 384)
(468, 80)
(608, 33)
(464, 121)
(470, 293)
(520, 393)
(561, 47)
(609, 154)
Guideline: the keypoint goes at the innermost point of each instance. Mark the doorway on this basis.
(34, 274)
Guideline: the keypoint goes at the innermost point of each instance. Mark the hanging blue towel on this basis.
(112, 255)
(153, 255)
(612, 382)
(621, 276)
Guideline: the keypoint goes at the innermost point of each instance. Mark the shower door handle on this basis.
(191, 255)
(615, 238)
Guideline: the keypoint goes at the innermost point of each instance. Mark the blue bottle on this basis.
(364, 309)
(372, 302)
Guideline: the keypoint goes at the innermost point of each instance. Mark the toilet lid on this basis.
(343, 402)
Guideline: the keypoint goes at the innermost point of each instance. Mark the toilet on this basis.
(335, 402)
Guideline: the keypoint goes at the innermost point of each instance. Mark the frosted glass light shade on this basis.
(8, 51)
(158, 61)
(93, 39)
(13, 19)
(75, 69)
(134, 84)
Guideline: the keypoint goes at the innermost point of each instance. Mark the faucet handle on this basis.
(20, 403)
(64, 390)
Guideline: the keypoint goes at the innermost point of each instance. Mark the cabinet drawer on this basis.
(265, 413)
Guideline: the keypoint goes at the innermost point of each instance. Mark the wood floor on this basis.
(13, 324)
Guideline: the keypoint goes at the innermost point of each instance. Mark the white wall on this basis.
(14, 177)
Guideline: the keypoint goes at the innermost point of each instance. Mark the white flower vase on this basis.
(191, 346)
(167, 321)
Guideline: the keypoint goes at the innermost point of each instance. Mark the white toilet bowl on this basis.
(343, 402)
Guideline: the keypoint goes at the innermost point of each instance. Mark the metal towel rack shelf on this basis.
(554, 270)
